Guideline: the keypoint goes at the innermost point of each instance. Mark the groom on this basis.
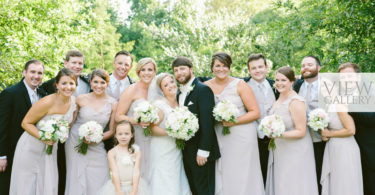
(202, 150)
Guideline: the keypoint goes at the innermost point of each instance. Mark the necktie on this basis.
(34, 98)
(308, 93)
(262, 90)
(116, 92)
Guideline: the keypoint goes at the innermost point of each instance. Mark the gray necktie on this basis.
(116, 92)
(34, 98)
(262, 90)
(308, 93)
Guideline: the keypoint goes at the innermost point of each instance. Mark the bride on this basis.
(167, 175)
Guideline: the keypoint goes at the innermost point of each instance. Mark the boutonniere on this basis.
(190, 103)
(190, 88)
(83, 74)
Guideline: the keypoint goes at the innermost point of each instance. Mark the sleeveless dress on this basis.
(143, 142)
(125, 164)
(291, 165)
(35, 172)
(238, 170)
(341, 172)
(167, 174)
(86, 174)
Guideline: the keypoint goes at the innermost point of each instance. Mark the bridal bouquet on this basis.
(182, 125)
(53, 129)
(147, 113)
(90, 132)
(272, 126)
(225, 111)
(318, 119)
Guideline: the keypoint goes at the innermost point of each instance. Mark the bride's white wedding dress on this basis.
(167, 174)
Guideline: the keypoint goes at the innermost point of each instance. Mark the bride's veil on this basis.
(154, 91)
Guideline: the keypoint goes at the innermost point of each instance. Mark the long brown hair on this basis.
(132, 140)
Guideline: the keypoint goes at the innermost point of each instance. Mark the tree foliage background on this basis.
(336, 31)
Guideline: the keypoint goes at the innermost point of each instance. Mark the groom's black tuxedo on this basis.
(200, 101)
(14, 104)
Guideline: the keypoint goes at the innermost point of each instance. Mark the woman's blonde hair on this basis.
(161, 77)
(143, 62)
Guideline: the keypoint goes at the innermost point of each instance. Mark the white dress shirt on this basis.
(124, 83)
(33, 95)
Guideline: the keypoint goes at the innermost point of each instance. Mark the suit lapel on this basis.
(25, 94)
(187, 99)
(178, 95)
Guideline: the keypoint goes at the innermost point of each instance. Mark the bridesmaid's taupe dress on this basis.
(238, 170)
(291, 165)
(34, 172)
(86, 174)
(341, 172)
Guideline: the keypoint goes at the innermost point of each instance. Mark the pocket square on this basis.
(190, 103)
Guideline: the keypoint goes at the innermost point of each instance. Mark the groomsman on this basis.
(365, 136)
(119, 80)
(308, 87)
(202, 150)
(74, 60)
(15, 102)
(265, 95)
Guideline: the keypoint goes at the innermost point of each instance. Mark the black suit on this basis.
(263, 143)
(14, 104)
(318, 146)
(50, 88)
(365, 136)
(200, 101)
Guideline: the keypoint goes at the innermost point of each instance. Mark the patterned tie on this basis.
(116, 92)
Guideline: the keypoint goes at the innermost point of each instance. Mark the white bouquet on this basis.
(318, 119)
(90, 132)
(226, 111)
(182, 125)
(272, 126)
(147, 113)
(53, 129)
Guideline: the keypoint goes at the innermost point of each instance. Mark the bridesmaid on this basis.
(238, 170)
(87, 173)
(341, 172)
(291, 167)
(35, 172)
(129, 99)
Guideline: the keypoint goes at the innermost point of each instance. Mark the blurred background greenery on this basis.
(336, 31)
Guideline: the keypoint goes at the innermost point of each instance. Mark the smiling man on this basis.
(74, 60)
(15, 101)
(119, 80)
(308, 88)
(202, 150)
(265, 95)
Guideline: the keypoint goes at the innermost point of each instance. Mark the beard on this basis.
(186, 80)
(311, 75)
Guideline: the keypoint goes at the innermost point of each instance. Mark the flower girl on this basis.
(124, 161)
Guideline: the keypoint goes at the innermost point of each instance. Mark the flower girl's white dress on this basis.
(125, 165)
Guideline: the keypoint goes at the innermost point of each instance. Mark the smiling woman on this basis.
(30, 159)
(87, 173)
